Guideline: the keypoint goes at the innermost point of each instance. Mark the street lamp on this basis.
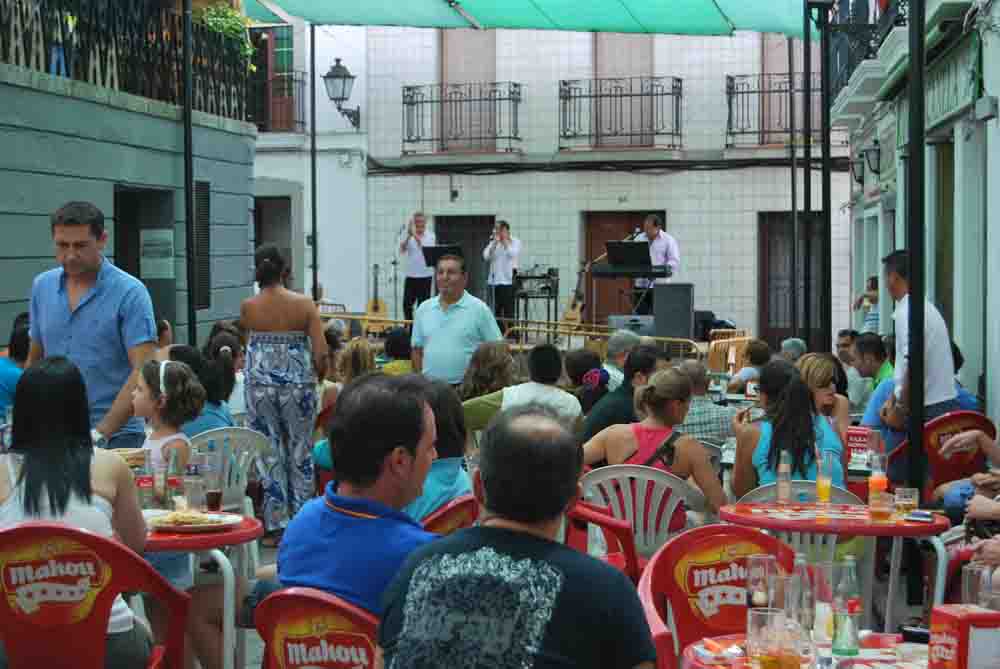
(339, 82)
(858, 171)
(873, 156)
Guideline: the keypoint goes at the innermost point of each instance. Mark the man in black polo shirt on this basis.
(618, 406)
(506, 593)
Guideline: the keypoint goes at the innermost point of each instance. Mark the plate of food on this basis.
(192, 522)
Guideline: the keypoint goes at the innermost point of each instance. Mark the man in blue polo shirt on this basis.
(98, 316)
(449, 327)
(352, 540)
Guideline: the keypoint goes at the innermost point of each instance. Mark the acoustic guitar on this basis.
(376, 308)
(573, 315)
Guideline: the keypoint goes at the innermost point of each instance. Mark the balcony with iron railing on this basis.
(468, 117)
(621, 112)
(132, 46)
(854, 39)
(759, 113)
(278, 103)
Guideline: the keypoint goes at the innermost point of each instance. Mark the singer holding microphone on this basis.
(502, 255)
(417, 285)
(663, 250)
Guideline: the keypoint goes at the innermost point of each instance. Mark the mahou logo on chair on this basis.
(53, 582)
(713, 576)
(327, 642)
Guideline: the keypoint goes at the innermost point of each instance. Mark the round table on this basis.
(690, 660)
(211, 543)
(848, 520)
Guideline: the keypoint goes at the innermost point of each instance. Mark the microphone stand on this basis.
(395, 288)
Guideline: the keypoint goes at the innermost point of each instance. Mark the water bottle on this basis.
(846, 611)
(805, 601)
(784, 478)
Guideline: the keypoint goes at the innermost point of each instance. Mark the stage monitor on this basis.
(641, 325)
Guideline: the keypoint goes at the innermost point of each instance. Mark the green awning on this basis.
(258, 13)
(674, 17)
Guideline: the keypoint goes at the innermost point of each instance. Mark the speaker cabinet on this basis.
(673, 310)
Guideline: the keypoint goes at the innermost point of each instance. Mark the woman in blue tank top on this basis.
(790, 424)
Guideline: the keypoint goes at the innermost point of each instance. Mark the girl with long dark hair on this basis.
(54, 473)
(790, 424)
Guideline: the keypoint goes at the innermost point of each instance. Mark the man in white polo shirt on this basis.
(448, 328)
(417, 286)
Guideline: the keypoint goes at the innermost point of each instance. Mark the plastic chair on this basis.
(695, 585)
(298, 624)
(321, 477)
(718, 353)
(59, 620)
(457, 514)
(820, 546)
(246, 446)
(942, 470)
(640, 496)
(616, 531)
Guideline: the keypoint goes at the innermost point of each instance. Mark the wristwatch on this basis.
(100, 441)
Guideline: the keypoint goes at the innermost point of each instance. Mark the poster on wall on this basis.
(156, 256)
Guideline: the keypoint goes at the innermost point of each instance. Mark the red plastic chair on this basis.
(321, 477)
(457, 514)
(699, 576)
(309, 627)
(59, 619)
(616, 532)
(942, 470)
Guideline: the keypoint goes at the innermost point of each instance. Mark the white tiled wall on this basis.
(712, 214)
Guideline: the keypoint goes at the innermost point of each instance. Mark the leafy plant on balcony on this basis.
(223, 19)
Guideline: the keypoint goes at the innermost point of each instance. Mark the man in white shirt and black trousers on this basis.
(502, 254)
(663, 250)
(417, 286)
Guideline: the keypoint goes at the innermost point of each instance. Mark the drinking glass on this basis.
(823, 587)
(760, 570)
(989, 590)
(824, 476)
(907, 500)
(767, 640)
(880, 506)
(976, 583)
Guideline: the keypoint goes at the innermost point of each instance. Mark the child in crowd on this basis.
(167, 395)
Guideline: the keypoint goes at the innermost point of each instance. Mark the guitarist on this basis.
(417, 286)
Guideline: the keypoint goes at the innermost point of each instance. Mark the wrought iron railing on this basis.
(621, 112)
(758, 108)
(134, 46)
(850, 45)
(479, 116)
(278, 103)
(894, 16)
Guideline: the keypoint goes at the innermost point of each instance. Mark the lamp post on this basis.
(338, 83)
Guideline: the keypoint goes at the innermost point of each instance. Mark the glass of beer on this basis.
(907, 500)
(768, 643)
(761, 569)
(880, 506)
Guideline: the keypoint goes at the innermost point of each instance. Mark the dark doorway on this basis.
(145, 246)
(774, 270)
(472, 233)
(613, 295)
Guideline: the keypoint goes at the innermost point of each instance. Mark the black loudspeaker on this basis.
(673, 310)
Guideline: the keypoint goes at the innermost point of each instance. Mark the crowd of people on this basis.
(441, 412)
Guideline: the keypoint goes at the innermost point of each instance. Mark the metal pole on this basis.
(189, 236)
(312, 160)
(915, 243)
(807, 171)
(826, 227)
(795, 195)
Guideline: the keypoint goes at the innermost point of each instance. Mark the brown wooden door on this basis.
(613, 295)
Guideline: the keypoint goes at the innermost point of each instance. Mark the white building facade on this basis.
(962, 162)
(476, 127)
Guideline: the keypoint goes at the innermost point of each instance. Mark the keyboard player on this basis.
(663, 250)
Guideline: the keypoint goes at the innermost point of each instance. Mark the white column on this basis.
(991, 75)
(885, 234)
(930, 219)
(886, 305)
(857, 262)
(970, 254)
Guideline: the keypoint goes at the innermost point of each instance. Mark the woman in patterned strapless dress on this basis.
(285, 355)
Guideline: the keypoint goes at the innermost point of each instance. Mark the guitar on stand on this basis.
(376, 308)
(572, 318)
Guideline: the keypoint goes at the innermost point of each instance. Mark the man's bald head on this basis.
(530, 465)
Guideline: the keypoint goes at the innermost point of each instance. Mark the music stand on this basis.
(635, 254)
(432, 254)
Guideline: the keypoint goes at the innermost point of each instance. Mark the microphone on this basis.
(635, 234)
